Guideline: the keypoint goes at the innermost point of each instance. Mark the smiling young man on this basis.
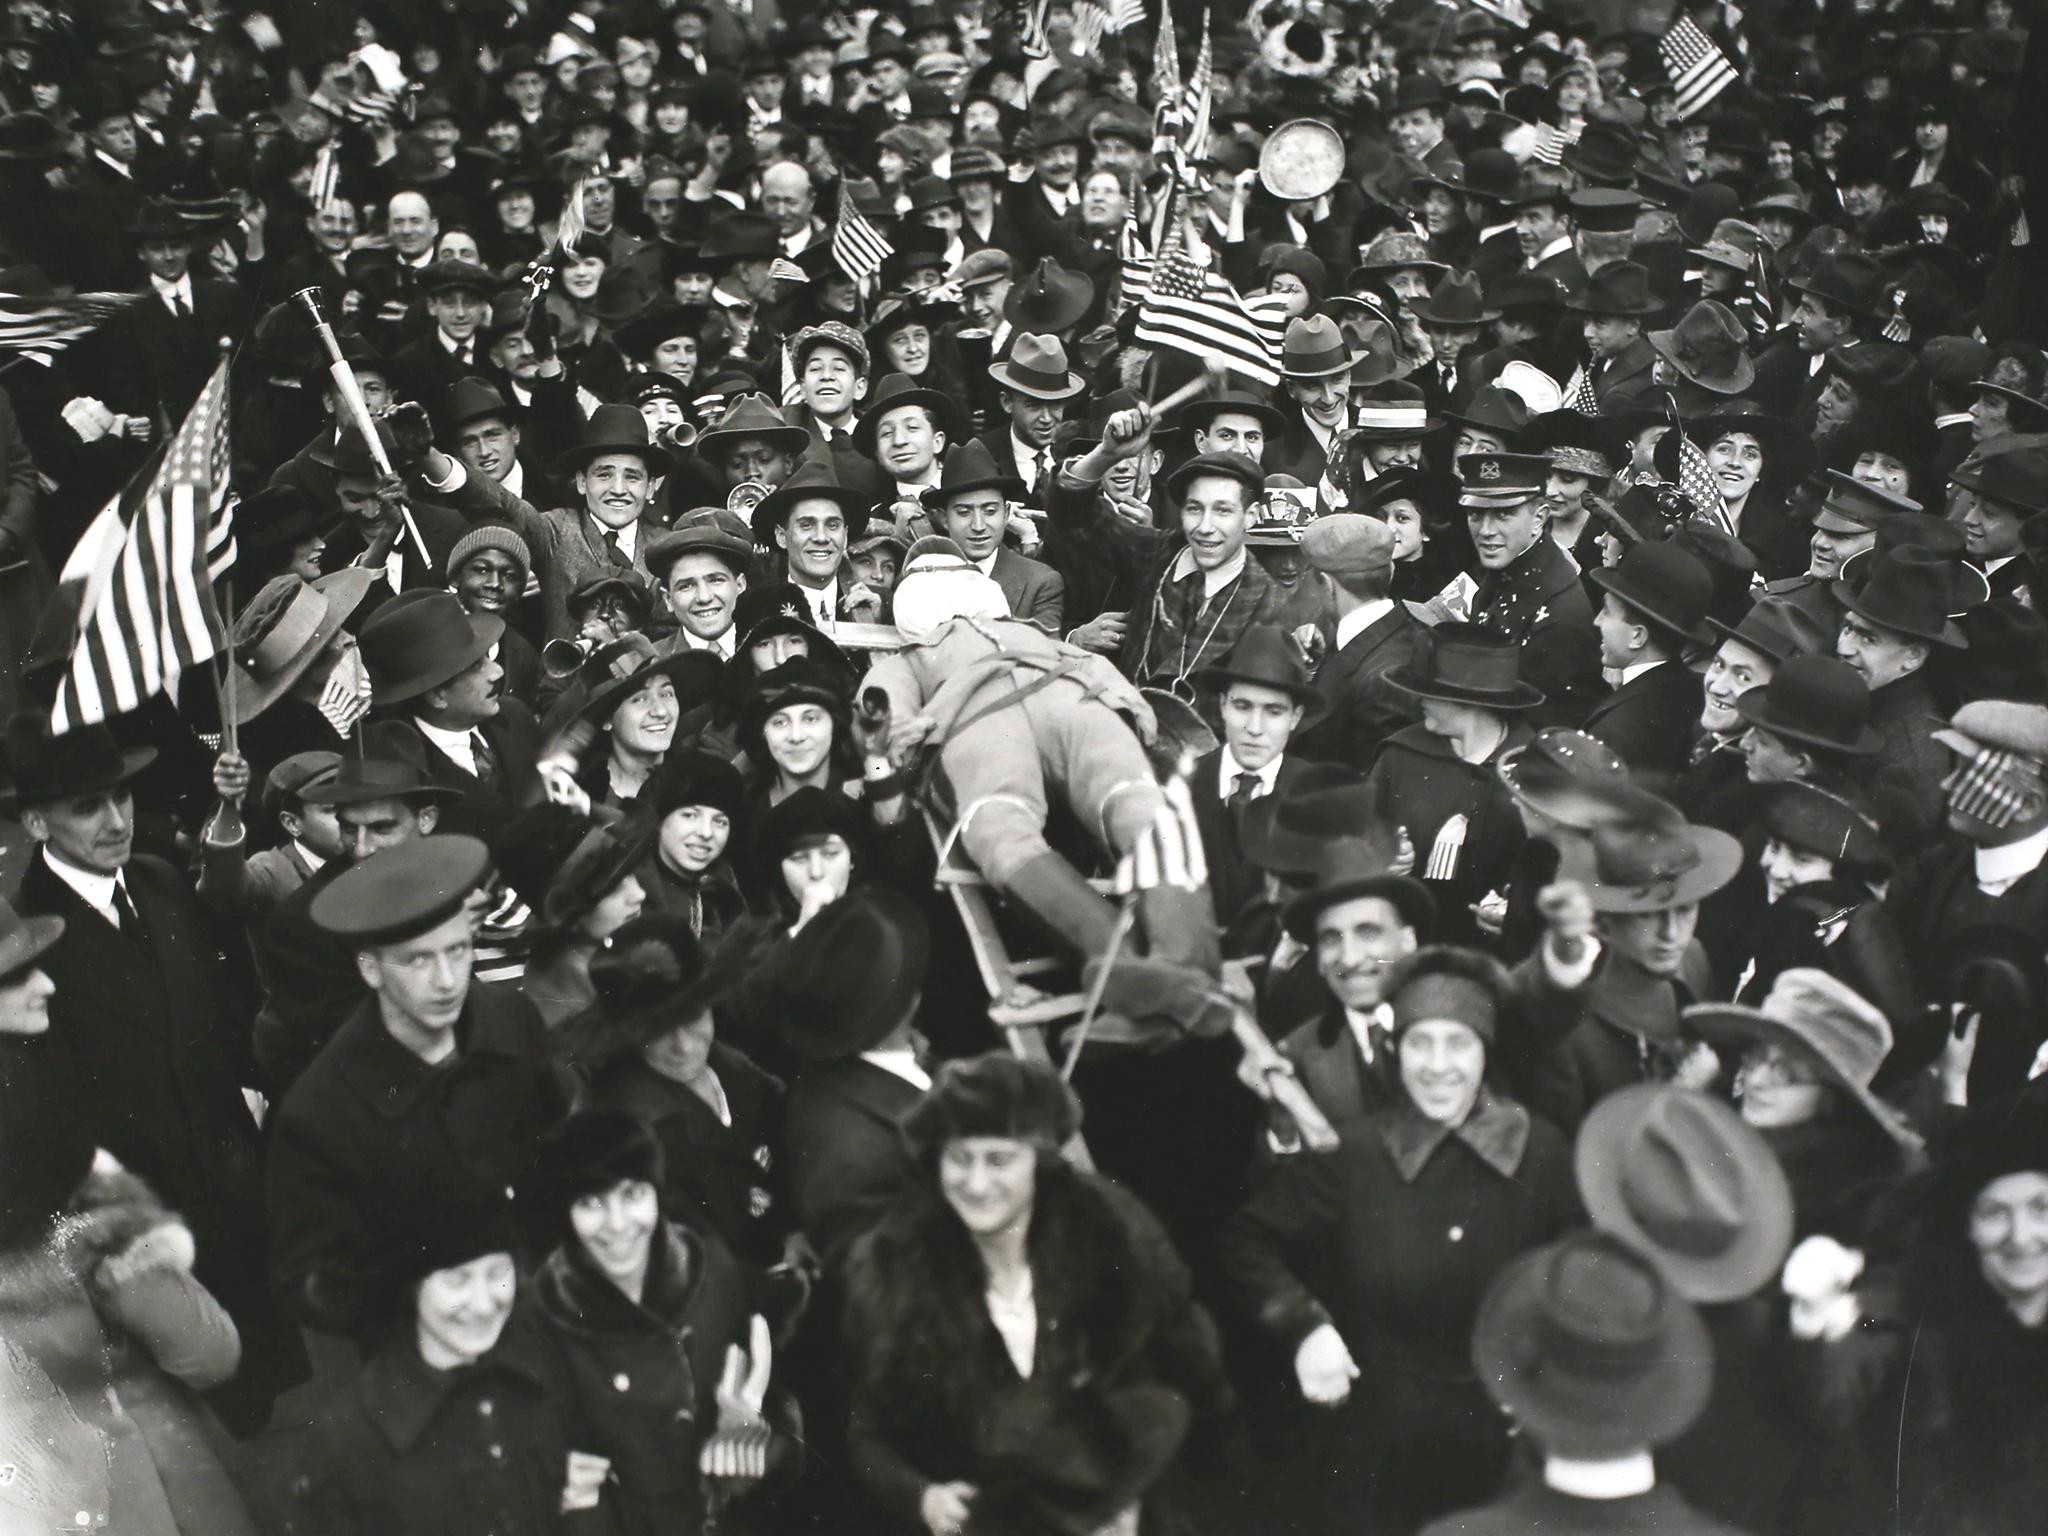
(701, 570)
(907, 430)
(458, 301)
(970, 505)
(1034, 386)
(809, 519)
(1529, 590)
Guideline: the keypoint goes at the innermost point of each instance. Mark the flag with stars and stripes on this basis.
(1699, 71)
(326, 176)
(1194, 144)
(142, 576)
(39, 328)
(1697, 484)
(857, 245)
(1185, 306)
(1167, 115)
(1031, 33)
(1551, 141)
(1578, 394)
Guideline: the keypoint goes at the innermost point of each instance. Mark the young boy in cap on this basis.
(1354, 555)
(359, 1134)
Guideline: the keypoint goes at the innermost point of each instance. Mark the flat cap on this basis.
(983, 266)
(2001, 725)
(402, 892)
(1348, 545)
(295, 773)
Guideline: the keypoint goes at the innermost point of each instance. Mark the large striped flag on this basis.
(1194, 144)
(1191, 309)
(40, 328)
(857, 245)
(1167, 115)
(1578, 393)
(1699, 71)
(143, 576)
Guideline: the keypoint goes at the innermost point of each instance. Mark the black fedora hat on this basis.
(1466, 664)
(969, 467)
(811, 482)
(24, 940)
(42, 768)
(1356, 865)
(1198, 413)
(851, 974)
(1269, 657)
(1664, 584)
(615, 429)
(474, 399)
(1620, 289)
(1455, 300)
(1815, 701)
(1049, 298)
(394, 769)
(419, 640)
(896, 390)
(1911, 593)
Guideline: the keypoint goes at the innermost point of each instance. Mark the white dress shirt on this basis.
(1362, 1027)
(2000, 869)
(900, 1063)
(1026, 456)
(724, 645)
(94, 889)
(459, 747)
(1359, 620)
(174, 294)
(1228, 769)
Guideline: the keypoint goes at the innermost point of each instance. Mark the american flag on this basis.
(1578, 394)
(40, 328)
(1699, 71)
(1097, 19)
(143, 573)
(857, 245)
(1754, 306)
(1194, 147)
(1896, 326)
(326, 176)
(1166, 116)
(1189, 308)
(1697, 484)
(1552, 140)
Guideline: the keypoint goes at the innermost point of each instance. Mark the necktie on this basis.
(486, 760)
(612, 551)
(131, 920)
(1241, 792)
(1044, 479)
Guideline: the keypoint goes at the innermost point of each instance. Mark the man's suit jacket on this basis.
(1232, 882)
(1783, 372)
(847, 1161)
(165, 360)
(441, 528)
(1345, 1086)
(997, 441)
(1361, 709)
(430, 369)
(1296, 450)
(1566, 267)
(1035, 590)
(1651, 720)
(515, 740)
(1622, 380)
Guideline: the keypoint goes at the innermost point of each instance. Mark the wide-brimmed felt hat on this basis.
(1652, 861)
(1048, 298)
(1398, 250)
(1604, 153)
(1827, 1024)
(1198, 413)
(1620, 289)
(1848, 279)
(1591, 1350)
(1911, 592)
(1568, 776)
(1268, 656)
(1466, 664)
(474, 399)
(2015, 475)
(1037, 367)
(812, 481)
(619, 669)
(1455, 300)
(1814, 701)
(900, 389)
(615, 429)
(653, 975)
(392, 770)
(969, 467)
(2033, 404)
(1665, 584)
(1314, 347)
(1935, 536)
(1709, 348)
(419, 640)
(753, 415)
(286, 627)
(1490, 175)
(1734, 244)
(1682, 1178)
(42, 767)
(851, 974)
(1494, 409)
(1778, 628)
(1233, 466)
(23, 940)
(1355, 865)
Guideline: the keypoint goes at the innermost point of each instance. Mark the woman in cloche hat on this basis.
(1020, 1343)
(578, 878)
(670, 1368)
(1385, 1344)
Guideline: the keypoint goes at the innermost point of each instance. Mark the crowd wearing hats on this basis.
(827, 884)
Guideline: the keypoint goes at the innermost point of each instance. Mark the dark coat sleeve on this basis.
(1295, 1204)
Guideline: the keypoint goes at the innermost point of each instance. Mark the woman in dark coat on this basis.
(664, 1352)
(1019, 1334)
(1756, 458)
(1401, 1230)
(697, 803)
(651, 1051)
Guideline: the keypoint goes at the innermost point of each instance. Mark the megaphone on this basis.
(678, 436)
(564, 658)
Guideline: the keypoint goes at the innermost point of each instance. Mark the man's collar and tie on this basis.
(463, 351)
(105, 894)
(176, 296)
(1374, 1031)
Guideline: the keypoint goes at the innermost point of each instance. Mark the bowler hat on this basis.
(1049, 298)
(1653, 861)
(419, 641)
(1417, 92)
(1198, 413)
(1568, 776)
(1681, 1177)
(1313, 348)
(401, 892)
(1709, 348)
(811, 482)
(1455, 300)
(473, 399)
(1466, 664)
(1910, 592)
(1352, 866)
(615, 429)
(1267, 656)
(1037, 367)
(851, 974)
(1621, 288)
(1591, 1350)
(285, 629)
(29, 137)
(1825, 1023)
(896, 390)
(1815, 701)
(85, 760)
(969, 467)
(1665, 584)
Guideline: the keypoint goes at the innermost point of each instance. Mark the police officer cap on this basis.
(402, 892)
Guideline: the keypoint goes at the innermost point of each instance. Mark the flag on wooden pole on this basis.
(142, 576)
(1185, 306)
(40, 328)
(1194, 145)
(1699, 71)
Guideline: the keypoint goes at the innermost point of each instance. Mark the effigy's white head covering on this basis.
(939, 583)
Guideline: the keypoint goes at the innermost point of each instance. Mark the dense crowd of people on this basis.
(829, 884)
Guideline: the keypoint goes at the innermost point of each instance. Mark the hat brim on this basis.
(1570, 803)
(1662, 343)
(1750, 1262)
(485, 630)
(1343, 365)
(1758, 714)
(1427, 316)
(852, 504)
(1612, 579)
(677, 667)
(344, 591)
(1851, 599)
(659, 460)
(1313, 705)
(1059, 310)
(1582, 304)
(1006, 376)
(133, 760)
(1729, 1023)
(1409, 896)
(1523, 695)
(1973, 588)
(1197, 413)
(935, 498)
(29, 943)
(1658, 1406)
(1720, 861)
(940, 404)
